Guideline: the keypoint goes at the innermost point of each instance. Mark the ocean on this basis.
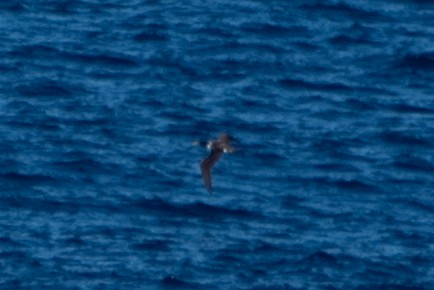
(331, 106)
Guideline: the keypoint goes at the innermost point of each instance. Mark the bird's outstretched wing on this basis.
(207, 164)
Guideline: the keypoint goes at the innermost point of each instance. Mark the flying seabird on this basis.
(217, 148)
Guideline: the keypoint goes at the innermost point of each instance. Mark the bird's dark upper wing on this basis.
(207, 164)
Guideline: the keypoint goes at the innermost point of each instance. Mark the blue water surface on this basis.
(332, 107)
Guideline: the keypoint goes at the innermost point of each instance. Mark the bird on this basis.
(217, 148)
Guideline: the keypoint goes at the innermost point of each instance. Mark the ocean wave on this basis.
(419, 61)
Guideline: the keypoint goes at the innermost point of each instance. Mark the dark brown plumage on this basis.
(217, 147)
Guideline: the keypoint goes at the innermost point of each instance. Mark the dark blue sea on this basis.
(331, 106)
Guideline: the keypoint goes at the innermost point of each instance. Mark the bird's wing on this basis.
(206, 165)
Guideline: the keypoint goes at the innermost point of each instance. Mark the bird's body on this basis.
(217, 148)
